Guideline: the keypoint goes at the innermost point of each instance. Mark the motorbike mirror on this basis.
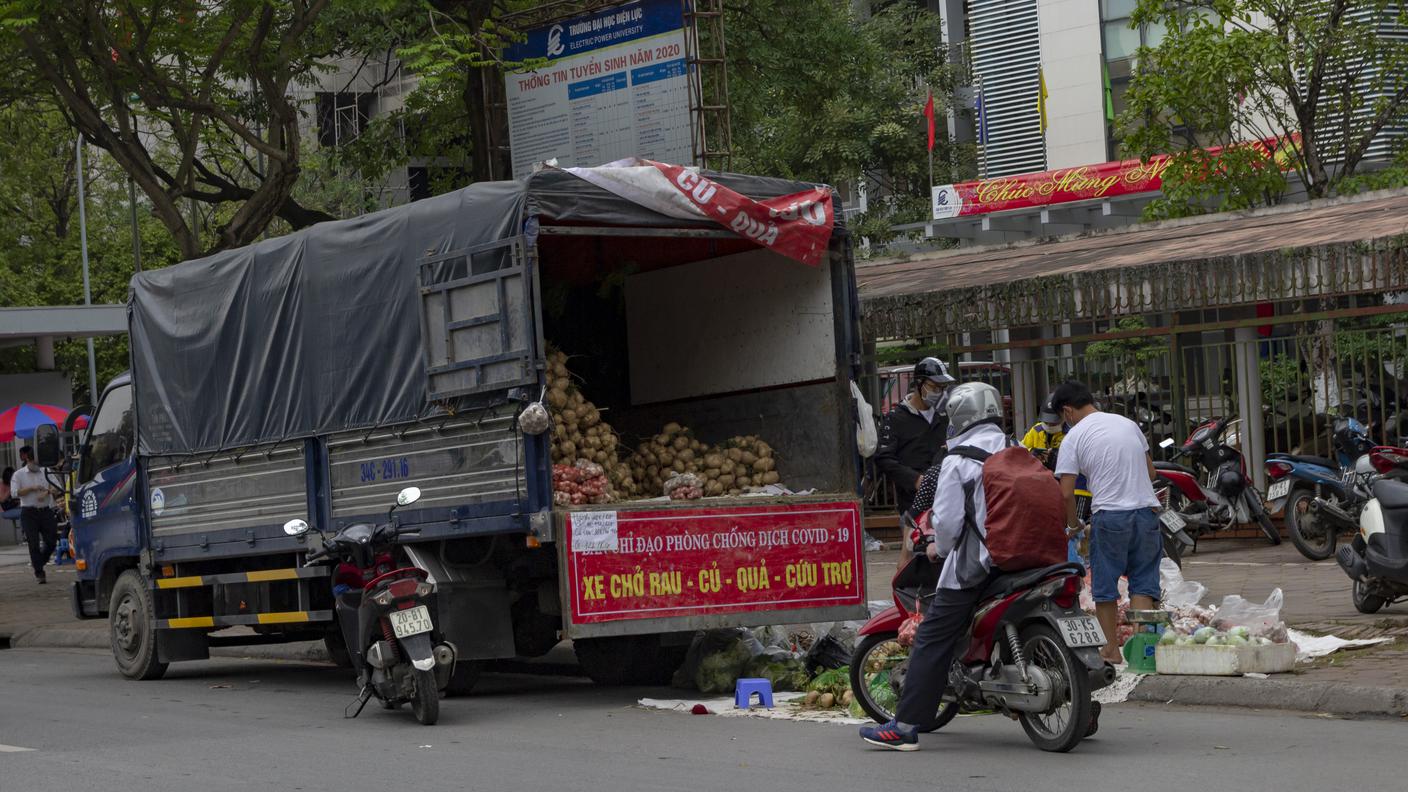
(296, 527)
(408, 496)
(1167, 442)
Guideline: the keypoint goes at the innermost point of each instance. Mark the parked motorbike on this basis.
(1377, 559)
(1214, 494)
(1030, 653)
(1322, 497)
(397, 650)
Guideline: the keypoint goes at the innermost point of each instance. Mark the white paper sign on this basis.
(594, 531)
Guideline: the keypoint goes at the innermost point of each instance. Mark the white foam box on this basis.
(1198, 660)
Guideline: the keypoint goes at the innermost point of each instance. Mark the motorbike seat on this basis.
(1005, 584)
(1392, 495)
(1306, 459)
(1175, 467)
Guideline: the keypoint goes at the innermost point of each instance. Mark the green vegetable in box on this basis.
(785, 673)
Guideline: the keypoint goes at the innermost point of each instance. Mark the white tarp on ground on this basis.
(1309, 647)
(786, 706)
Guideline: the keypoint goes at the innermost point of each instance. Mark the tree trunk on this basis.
(485, 106)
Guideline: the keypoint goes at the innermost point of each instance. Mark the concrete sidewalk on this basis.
(1372, 681)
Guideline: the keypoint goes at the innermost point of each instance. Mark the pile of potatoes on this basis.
(578, 431)
(580, 434)
(726, 469)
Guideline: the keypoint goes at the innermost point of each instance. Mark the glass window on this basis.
(1154, 33)
(1116, 9)
(1121, 40)
(110, 436)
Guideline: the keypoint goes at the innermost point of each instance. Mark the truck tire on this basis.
(132, 627)
(464, 678)
(628, 660)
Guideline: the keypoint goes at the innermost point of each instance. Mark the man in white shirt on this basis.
(1125, 540)
(41, 527)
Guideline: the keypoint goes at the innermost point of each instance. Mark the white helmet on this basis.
(970, 404)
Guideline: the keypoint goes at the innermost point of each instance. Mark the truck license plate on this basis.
(412, 621)
(1173, 520)
(1279, 490)
(1082, 631)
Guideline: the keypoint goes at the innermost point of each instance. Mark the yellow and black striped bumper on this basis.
(258, 576)
(210, 622)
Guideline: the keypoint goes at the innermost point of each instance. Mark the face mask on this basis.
(1052, 428)
(933, 398)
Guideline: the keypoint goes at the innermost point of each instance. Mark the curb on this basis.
(1336, 698)
(52, 638)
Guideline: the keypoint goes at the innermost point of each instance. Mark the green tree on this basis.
(192, 100)
(1328, 76)
(819, 95)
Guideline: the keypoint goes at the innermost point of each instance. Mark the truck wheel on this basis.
(132, 628)
(628, 660)
(464, 678)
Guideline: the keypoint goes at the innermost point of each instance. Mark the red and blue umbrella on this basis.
(21, 421)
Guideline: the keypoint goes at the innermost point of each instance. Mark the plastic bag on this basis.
(908, 628)
(713, 656)
(1177, 592)
(1262, 620)
(867, 438)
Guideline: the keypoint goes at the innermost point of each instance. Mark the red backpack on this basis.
(1026, 519)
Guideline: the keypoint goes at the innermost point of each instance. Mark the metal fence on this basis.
(1286, 381)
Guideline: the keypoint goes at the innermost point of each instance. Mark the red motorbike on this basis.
(1212, 493)
(1030, 652)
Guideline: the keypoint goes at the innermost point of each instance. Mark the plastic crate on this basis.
(1201, 660)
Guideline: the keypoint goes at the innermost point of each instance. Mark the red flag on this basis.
(929, 114)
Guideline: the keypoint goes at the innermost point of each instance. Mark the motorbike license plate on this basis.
(412, 621)
(1082, 631)
(1173, 520)
(1279, 490)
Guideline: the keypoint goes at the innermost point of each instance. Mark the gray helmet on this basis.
(1049, 413)
(933, 370)
(970, 404)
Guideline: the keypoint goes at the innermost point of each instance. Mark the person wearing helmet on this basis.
(958, 517)
(1046, 435)
(913, 432)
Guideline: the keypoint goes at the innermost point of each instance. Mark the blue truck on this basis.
(314, 375)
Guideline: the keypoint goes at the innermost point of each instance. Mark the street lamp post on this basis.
(87, 291)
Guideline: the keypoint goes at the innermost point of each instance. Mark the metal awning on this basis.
(1338, 246)
(21, 326)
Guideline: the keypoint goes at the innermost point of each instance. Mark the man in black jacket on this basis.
(914, 432)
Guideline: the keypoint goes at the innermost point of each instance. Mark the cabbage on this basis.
(1168, 638)
(1261, 641)
(1241, 632)
(1236, 640)
(1217, 640)
(1203, 635)
(1185, 640)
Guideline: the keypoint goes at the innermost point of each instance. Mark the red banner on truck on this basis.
(708, 561)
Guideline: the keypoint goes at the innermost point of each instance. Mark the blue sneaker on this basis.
(891, 735)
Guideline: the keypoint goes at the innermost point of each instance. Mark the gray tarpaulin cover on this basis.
(319, 331)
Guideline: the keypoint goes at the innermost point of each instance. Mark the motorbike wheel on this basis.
(426, 704)
(1068, 723)
(1364, 602)
(1313, 537)
(1173, 550)
(877, 678)
(1255, 504)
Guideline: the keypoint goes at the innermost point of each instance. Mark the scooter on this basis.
(1030, 653)
(1322, 497)
(1214, 494)
(1377, 559)
(398, 654)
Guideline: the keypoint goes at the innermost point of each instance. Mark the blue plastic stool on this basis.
(61, 551)
(745, 688)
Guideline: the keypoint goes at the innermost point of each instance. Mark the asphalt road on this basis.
(247, 725)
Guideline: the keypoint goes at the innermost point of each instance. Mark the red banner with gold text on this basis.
(706, 561)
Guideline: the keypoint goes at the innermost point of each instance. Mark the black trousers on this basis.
(41, 533)
(932, 655)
